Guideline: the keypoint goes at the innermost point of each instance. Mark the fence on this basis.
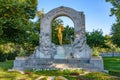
(110, 54)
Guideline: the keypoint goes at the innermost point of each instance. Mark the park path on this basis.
(51, 78)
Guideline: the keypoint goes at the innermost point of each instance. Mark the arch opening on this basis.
(67, 33)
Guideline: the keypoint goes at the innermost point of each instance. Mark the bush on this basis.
(11, 56)
(3, 57)
(95, 52)
(22, 52)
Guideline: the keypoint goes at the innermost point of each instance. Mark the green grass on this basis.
(14, 75)
(112, 64)
(6, 65)
(96, 76)
(7, 75)
(58, 72)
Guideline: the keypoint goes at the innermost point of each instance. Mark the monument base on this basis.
(60, 53)
(95, 64)
(64, 58)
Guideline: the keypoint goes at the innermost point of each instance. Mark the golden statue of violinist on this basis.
(60, 29)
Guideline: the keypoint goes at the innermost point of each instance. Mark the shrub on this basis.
(3, 57)
(95, 52)
(12, 55)
(22, 52)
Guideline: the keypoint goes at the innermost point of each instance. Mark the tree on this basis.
(16, 30)
(14, 20)
(95, 38)
(116, 34)
(115, 10)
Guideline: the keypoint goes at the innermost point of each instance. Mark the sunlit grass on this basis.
(7, 75)
(112, 63)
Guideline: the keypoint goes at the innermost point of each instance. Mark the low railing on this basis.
(110, 54)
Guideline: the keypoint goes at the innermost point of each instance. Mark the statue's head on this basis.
(60, 25)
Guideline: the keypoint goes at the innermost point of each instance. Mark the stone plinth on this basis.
(60, 53)
(97, 62)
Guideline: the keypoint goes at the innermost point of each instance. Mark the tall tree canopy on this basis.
(17, 33)
(14, 20)
(115, 31)
(95, 38)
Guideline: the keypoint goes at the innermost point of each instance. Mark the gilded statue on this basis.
(60, 29)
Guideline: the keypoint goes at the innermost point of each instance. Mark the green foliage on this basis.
(12, 55)
(110, 45)
(115, 10)
(95, 52)
(22, 52)
(14, 20)
(6, 65)
(116, 34)
(68, 35)
(3, 57)
(100, 43)
(16, 31)
(95, 38)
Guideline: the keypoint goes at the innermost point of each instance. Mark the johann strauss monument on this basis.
(50, 56)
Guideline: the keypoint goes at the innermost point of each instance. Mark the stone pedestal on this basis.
(97, 62)
(60, 53)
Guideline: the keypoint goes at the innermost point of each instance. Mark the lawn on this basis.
(111, 64)
(6, 65)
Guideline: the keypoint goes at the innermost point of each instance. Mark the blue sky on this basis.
(96, 12)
